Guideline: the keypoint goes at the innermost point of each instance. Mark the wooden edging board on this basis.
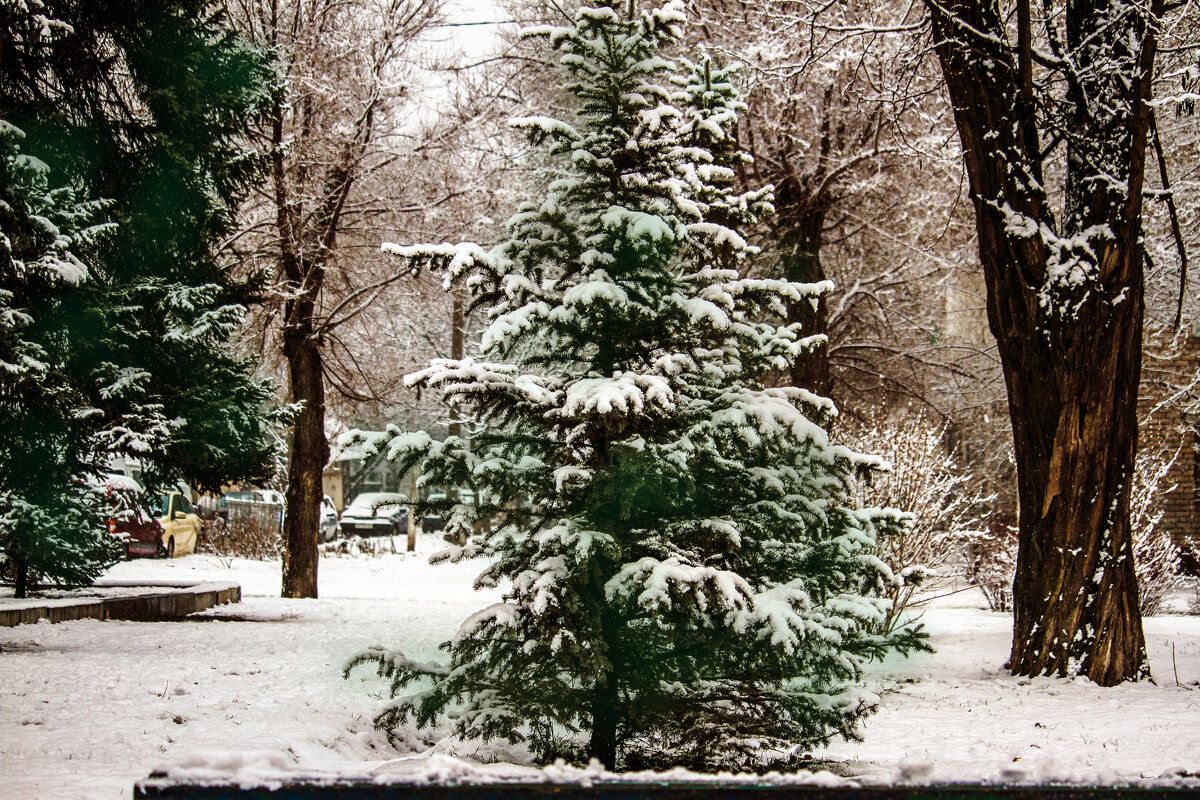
(175, 601)
(618, 790)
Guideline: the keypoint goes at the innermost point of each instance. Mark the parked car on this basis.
(329, 519)
(181, 524)
(432, 523)
(129, 519)
(376, 514)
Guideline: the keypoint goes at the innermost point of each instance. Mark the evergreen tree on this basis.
(143, 104)
(685, 582)
(48, 517)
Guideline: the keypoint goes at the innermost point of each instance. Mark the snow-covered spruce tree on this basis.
(684, 582)
(49, 518)
(145, 104)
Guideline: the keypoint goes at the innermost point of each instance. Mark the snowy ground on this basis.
(255, 689)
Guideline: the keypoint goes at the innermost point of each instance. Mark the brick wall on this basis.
(1169, 365)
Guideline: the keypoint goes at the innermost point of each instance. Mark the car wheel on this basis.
(171, 548)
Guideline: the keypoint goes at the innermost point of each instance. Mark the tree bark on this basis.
(800, 254)
(20, 578)
(302, 280)
(1070, 350)
(306, 462)
(603, 744)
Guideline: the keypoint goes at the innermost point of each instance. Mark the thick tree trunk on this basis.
(20, 578)
(800, 254)
(1075, 430)
(306, 464)
(1070, 349)
(603, 744)
(309, 449)
(302, 279)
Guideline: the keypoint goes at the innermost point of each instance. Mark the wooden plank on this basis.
(150, 607)
(616, 790)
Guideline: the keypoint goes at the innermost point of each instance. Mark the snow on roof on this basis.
(119, 483)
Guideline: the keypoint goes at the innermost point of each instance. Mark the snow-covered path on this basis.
(962, 717)
(88, 707)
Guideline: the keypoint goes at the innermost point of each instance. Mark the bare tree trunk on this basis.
(309, 454)
(800, 254)
(302, 281)
(323, 139)
(20, 578)
(1075, 432)
(1071, 351)
(603, 743)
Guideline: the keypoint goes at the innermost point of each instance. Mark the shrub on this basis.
(243, 536)
(1156, 556)
(927, 482)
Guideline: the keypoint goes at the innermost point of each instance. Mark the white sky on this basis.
(459, 44)
(468, 41)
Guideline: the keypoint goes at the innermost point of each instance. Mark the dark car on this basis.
(129, 519)
(376, 514)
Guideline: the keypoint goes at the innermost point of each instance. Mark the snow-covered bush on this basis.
(927, 482)
(993, 566)
(685, 574)
(1156, 556)
(242, 536)
(363, 546)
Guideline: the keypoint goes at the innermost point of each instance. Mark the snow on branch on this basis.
(622, 394)
(454, 259)
(657, 586)
(482, 376)
(545, 127)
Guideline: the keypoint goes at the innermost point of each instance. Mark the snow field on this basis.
(254, 692)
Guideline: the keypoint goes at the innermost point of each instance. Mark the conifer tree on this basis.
(143, 104)
(48, 517)
(684, 580)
